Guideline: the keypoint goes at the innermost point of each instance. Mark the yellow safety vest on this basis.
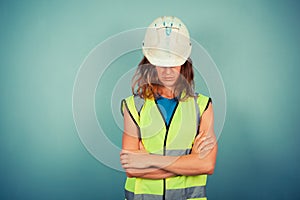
(175, 139)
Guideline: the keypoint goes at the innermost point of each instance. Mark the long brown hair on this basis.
(146, 80)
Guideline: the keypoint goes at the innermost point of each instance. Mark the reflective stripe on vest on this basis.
(173, 140)
(184, 193)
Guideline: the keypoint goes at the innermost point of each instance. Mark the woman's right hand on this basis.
(203, 144)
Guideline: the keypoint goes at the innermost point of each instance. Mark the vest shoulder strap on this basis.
(197, 109)
(202, 102)
(132, 104)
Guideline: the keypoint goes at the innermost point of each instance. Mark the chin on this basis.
(168, 85)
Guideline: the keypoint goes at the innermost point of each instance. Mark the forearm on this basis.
(187, 165)
(150, 173)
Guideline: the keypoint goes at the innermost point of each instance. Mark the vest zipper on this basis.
(164, 192)
(165, 140)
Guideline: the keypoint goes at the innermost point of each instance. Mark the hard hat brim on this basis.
(165, 58)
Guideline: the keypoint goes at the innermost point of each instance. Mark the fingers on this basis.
(203, 143)
(124, 159)
(201, 133)
(141, 146)
(207, 143)
(123, 152)
(198, 138)
(132, 159)
(206, 147)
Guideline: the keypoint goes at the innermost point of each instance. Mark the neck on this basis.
(166, 92)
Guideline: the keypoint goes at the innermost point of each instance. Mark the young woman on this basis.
(169, 145)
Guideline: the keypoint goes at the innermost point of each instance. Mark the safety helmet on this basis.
(167, 42)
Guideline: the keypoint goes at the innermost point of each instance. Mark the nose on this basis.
(167, 70)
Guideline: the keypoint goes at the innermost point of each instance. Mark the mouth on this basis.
(168, 78)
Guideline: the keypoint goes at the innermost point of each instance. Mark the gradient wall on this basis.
(255, 45)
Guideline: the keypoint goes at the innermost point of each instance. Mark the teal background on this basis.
(255, 45)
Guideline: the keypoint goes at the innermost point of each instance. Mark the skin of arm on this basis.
(188, 165)
(131, 142)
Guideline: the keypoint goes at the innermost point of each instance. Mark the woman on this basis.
(169, 145)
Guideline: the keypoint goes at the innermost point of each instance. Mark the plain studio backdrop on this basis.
(255, 45)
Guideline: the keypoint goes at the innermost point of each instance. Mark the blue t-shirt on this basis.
(166, 107)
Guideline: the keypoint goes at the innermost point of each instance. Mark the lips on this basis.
(168, 78)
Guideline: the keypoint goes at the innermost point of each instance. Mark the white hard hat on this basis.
(167, 42)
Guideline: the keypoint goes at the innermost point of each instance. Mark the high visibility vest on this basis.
(175, 139)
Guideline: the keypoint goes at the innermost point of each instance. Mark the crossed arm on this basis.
(139, 163)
